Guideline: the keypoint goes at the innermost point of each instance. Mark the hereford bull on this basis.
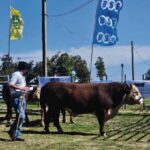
(31, 95)
(103, 100)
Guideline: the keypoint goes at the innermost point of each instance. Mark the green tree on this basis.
(52, 65)
(64, 65)
(35, 71)
(7, 65)
(81, 69)
(100, 66)
(61, 65)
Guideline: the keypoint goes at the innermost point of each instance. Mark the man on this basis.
(18, 88)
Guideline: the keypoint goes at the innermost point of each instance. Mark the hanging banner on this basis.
(106, 20)
(16, 24)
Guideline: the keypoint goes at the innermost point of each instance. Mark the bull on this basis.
(103, 100)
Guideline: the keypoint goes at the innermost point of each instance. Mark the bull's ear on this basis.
(128, 88)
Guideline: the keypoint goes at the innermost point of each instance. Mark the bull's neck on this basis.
(112, 112)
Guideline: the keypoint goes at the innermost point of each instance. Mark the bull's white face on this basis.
(134, 97)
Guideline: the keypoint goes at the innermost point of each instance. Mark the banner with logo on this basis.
(106, 20)
(16, 24)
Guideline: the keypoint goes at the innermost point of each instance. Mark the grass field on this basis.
(129, 130)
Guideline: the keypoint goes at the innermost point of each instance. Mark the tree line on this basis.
(60, 64)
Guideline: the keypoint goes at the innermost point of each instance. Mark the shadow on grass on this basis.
(137, 131)
(5, 140)
(33, 123)
(56, 133)
(2, 119)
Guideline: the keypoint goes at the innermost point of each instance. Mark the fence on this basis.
(143, 86)
(3, 80)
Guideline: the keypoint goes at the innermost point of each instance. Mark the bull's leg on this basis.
(64, 115)
(47, 118)
(71, 118)
(101, 119)
(56, 120)
(26, 119)
(42, 117)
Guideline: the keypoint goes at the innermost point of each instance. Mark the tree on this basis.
(35, 71)
(100, 66)
(52, 65)
(64, 65)
(147, 75)
(61, 65)
(81, 69)
(7, 66)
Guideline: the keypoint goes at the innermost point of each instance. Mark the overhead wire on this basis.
(143, 61)
(72, 10)
(70, 31)
(68, 12)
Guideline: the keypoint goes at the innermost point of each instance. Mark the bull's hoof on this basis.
(46, 131)
(60, 131)
(103, 134)
(64, 120)
(42, 124)
(72, 122)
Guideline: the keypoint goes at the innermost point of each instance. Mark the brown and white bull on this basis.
(103, 100)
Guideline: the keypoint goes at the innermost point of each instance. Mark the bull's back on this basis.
(80, 98)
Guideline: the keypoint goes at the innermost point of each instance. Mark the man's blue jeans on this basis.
(19, 105)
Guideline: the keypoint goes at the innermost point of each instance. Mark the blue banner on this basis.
(43, 80)
(106, 20)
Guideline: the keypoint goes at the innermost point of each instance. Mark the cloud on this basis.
(113, 57)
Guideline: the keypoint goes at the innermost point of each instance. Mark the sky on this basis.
(73, 33)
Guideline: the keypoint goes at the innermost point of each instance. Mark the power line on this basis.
(73, 10)
(141, 58)
(70, 31)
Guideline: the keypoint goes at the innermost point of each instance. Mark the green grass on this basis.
(129, 130)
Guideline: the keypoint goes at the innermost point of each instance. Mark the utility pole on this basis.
(132, 59)
(44, 38)
(122, 72)
(10, 3)
(90, 79)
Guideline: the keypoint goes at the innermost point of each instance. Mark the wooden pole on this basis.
(132, 59)
(44, 38)
(91, 64)
(122, 72)
(10, 3)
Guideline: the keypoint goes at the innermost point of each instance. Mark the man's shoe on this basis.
(9, 132)
(12, 136)
(19, 139)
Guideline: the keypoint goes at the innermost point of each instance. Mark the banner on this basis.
(43, 80)
(16, 24)
(106, 20)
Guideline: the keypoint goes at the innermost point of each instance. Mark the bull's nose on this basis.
(141, 101)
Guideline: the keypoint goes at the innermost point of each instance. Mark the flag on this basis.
(16, 24)
(106, 20)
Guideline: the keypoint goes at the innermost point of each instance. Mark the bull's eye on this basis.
(136, 93)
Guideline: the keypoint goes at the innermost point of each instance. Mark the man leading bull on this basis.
(18, 89)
